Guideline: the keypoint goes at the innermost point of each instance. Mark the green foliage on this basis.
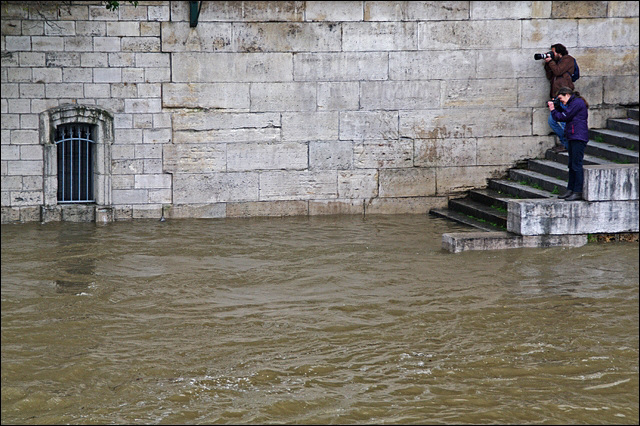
(114, 5)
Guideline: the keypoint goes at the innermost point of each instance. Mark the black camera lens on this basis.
(538, 56)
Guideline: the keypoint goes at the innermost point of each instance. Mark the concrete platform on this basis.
(465, 241)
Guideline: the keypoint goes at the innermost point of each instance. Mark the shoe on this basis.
(574, 197)
(566, 194)
(559, 148)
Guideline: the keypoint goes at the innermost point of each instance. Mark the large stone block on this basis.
(261, 156)
(336, 11)
(236, 67)
(305, 126)
(215, 187)
(300, 185)
(287, 37)
(558, 217)
(608, 32)
(347, 66)
(490, 93)
(361, 125)
(206, 95)
(283, 97)
(381, 154)
(510, 9)
(465, 123)
(579, 9)
(456, 35)
(395, 95)
(357, 184)
(445, 152)
(379, 36)
(432, 65)
(416, 10)
(410, 182)
(610, 182)
(268, 209)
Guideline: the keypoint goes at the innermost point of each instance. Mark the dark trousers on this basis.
(576, 172)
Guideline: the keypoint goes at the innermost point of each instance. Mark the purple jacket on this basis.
(575, 114)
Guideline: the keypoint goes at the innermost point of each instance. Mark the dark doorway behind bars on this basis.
(75, 144)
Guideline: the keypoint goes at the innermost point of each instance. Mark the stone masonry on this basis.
(294, 108)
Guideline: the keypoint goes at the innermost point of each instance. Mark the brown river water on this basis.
(311, 320)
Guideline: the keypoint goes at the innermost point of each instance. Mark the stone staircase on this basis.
(485, 210)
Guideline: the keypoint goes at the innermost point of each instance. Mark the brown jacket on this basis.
(559, 74)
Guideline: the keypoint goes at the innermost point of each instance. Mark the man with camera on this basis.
(558, 66)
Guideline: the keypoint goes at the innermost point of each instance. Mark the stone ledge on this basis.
(559, 217)
(465, 241)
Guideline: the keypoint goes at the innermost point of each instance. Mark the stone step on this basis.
(625, 125)
(464, 219)
(517, 189)
(479, 211)
(491, 197)
(563, 158)
(633, 113)
(550, 168)
(538, 180)
(612, 152)
(614, 137)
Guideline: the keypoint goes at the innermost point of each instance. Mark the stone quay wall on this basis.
(294, 108)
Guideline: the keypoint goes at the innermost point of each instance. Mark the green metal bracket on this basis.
(194, 12)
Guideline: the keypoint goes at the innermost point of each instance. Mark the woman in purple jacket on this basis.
(574, 112)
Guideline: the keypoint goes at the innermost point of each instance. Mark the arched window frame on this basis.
(80, 114)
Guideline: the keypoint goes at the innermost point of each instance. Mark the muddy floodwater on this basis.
(312, 320)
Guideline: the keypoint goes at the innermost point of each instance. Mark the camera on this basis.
(538, 56)
(557, 104)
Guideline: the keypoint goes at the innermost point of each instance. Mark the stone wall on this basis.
(299, 108)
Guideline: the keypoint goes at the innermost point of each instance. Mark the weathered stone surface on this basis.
(404, 205)
(454, 35)
(298, 185)
(416, 10)
(379, 36)
(357, 184)
(510, 9)
(347, 66)
(449, 152)
(268, 208)
(405, 95)
(600, 32)
(359, 125)
(465, 123)
(206, 95)
(610, 182)
(556, 217)
(382, 154)
(432, 65)
(579, 9)
(407, 182)
(261, 156)
(466, 93)
(215, 187)
(239, 67)
(337, 11)
(287, 37)
(283, 97)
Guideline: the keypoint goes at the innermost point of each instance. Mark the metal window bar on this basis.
(75, 163)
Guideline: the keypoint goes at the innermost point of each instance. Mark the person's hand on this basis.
(550, 105)
(547, 60)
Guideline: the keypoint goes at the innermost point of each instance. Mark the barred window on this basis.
(75, 151)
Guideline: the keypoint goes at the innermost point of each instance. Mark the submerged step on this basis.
(465, 241)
